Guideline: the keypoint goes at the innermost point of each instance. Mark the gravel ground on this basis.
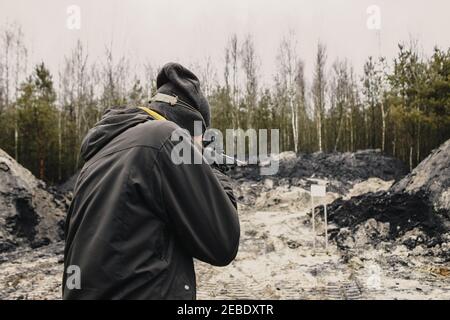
(276, 260)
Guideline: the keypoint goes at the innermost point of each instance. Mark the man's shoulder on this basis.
(154, 133)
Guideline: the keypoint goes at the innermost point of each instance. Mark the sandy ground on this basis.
(276, 260)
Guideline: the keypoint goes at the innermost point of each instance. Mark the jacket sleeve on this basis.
(201, 208)
(225, 182)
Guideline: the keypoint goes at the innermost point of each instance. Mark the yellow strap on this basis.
(152, 113)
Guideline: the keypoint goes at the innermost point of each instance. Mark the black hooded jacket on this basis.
(137, 220)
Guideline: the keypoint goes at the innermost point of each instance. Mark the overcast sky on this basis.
(188, 31)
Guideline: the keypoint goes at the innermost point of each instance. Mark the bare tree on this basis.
(290, 71)
(301, 104)
(232, 56)
(374, 90)
(77, 95)
(150, 73)
(319, 90)
(207, 74)
(353, 108)
(14, 67)
(383, 84)
(114, 78)
(339, 92)
(250, 67)
(19, 75)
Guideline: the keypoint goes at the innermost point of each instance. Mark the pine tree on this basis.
(38, 124)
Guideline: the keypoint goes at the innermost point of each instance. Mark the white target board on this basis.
(318, 190)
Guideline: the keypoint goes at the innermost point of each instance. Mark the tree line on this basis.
(401, 107)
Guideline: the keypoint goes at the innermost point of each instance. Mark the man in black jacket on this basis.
(137, 219)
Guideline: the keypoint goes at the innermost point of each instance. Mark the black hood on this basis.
(176, 80)
(113, 123)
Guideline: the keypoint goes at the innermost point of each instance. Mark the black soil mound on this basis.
(402, 211)
(420, 201)
(347, 166)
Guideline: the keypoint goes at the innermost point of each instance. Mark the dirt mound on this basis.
(340, 170)
(414, 211)
(348, 166)
(431, 176)
(344, 174)
(29, 214)
(396, 213)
